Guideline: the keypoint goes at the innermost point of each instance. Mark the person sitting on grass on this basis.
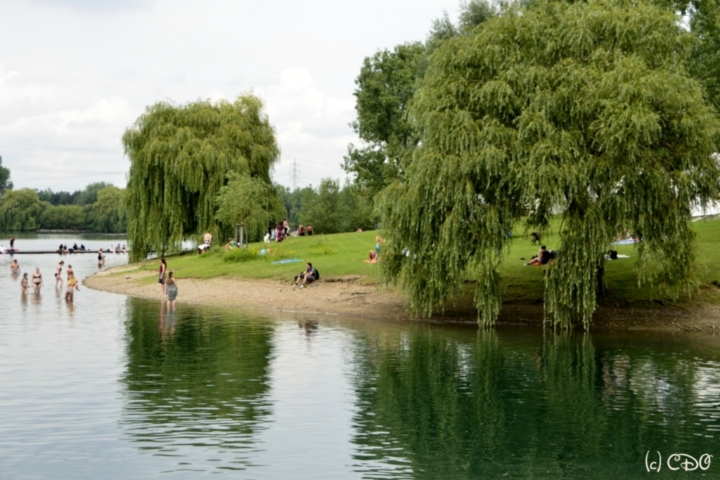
(231, 244)
(543, 257)
(307, 277)
(373, 257)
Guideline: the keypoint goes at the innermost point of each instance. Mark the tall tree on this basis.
(584, 109)
(90, 194)
(385, 88)
(180, 157)
(250, 201)
(20, 211)
(5, 183)
(705, 56)
(323, 210)
(107, 213)
(386, 83)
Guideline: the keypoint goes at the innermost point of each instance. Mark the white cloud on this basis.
(74, 74)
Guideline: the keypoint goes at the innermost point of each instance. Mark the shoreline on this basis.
(349, 296)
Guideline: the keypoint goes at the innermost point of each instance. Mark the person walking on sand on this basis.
(161, 275)
(58, 274)
(24, 284)
(37, 280)
(71, 286)
(172, 291)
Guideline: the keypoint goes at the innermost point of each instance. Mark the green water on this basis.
(115, 387)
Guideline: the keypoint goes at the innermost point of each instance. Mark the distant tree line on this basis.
(329, 208)
(97, 208)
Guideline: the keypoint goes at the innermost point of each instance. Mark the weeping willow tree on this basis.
(582, 110)
(180, 158)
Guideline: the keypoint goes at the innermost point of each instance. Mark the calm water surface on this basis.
(115, 387)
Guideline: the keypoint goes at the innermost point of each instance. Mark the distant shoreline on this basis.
(350, 296)
(79, 231)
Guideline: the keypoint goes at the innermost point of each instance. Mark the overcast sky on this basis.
(74, 74)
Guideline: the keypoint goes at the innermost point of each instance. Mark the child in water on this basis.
(72, 284)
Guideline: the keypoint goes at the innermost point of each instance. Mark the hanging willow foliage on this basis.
(180, 158)
(583, 109)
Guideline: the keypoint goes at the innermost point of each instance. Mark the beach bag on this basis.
(317, 274)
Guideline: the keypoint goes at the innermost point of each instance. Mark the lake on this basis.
(117, 387)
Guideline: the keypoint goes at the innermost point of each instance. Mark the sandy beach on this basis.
(349, 296)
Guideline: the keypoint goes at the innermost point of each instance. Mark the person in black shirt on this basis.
(307, 277)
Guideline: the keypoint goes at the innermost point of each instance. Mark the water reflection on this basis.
(514, 405)
(193, 382)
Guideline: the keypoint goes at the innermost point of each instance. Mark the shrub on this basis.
(240, 255)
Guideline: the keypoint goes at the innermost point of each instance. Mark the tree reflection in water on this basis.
(434, 404)
(195, 380)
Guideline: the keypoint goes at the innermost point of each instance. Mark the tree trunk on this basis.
(601, 287)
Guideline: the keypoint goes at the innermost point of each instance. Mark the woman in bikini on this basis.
(14, 268)
(58, 274)
(37, 280)
(24, 284)
(161, 275)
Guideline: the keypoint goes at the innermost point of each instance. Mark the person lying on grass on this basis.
(307, 277)
(543, 257)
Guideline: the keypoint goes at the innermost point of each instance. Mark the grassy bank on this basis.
(342, 255)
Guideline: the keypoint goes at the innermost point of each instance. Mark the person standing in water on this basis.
(24, 284)
(58, 274)
(161, 275)
(70, 272)
(172, 291)
(101, 258)
(15, 268)
(37, 280)
(71, 286)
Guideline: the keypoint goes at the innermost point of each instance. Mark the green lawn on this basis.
(343, 255)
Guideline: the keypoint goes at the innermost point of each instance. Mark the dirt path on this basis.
(349, 296)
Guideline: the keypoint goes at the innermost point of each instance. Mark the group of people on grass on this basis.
(37, 280)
